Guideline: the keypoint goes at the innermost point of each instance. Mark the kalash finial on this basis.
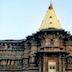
(51, 6)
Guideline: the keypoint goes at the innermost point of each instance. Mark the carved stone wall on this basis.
(29, 55)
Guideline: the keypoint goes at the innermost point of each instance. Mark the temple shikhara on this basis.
(47, 50)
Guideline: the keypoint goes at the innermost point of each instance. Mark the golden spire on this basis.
(50, 20)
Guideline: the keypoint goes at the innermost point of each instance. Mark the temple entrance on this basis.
(51, 66)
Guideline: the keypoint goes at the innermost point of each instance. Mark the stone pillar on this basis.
(32, 53)
(40, 64)
(64, 63)
(60, 63)
(44, 63)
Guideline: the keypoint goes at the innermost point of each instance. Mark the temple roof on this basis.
(50, 20)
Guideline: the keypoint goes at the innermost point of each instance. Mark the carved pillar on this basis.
(44, 63)
(12, 62)
(40, 63)
(60, 63)
(25, 63)
(64, 63)
(32, 53)
(8, 62)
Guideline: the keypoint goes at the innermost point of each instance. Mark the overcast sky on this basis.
(20, 18)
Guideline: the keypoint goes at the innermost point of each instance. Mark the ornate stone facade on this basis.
(34, 53)
(48, 50)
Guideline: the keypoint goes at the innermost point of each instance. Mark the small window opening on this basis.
(50, 16)
(50, 22)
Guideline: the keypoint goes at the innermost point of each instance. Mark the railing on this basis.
(10, 54)
(11, 48)
(9, 67)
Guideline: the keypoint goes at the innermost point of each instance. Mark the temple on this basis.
(48, 50)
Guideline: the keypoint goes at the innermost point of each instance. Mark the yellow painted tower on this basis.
(50, 20)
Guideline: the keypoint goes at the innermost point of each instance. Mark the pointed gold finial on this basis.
(51, 6)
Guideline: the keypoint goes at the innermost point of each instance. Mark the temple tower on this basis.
(52, 51)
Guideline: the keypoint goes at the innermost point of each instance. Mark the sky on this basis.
(20, 18)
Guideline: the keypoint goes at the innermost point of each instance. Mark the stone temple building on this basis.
(48, 50)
